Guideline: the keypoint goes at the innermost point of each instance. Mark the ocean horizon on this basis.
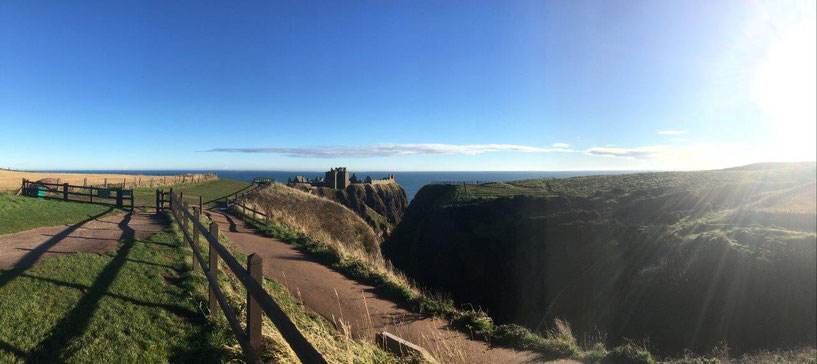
(410, 181)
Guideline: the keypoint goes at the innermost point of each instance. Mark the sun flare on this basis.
(786, 89)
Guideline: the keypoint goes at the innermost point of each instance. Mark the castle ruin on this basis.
(338, 178)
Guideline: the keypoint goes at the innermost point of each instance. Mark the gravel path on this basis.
(361, 310)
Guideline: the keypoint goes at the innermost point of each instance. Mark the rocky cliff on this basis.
(382, 205)
(688, 260)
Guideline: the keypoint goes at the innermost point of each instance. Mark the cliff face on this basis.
(685, 259)
(381, 205)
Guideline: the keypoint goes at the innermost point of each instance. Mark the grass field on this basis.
(208, 190)
(18, 213)
(11, 180)
(137, 304)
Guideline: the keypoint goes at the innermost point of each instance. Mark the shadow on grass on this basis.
(76, 321)
(31, 257)
(4, 346)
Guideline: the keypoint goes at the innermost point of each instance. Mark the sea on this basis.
(411, 181)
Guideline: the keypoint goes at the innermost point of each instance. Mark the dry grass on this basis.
(337, 346)
(318, 218)
(11, 180)
(337, 228)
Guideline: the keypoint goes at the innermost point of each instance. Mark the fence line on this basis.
(258, 300)
(42, 189)
(458, 182)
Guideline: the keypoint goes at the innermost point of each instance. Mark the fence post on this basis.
(195, 243)
(65, 191)
(106, 183)
(157, 201)
(255, 267)
(91, 194)
(213, 267)
(85, 181)
(23, 188)
(185, 219)
(132, 207)
(199, 203)
(171, 197)
(119, 198)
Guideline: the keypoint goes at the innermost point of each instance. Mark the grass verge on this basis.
(136, 304)
(336, 346)
(20, 213)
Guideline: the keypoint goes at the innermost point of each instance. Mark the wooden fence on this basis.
(64, 191)
(251, 277)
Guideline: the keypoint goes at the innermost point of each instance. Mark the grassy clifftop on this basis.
(317, 218)
(686, 259)
(382, 206)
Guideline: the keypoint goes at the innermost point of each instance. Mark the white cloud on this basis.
(389, 150)
(679, 140)
(671, 132)
(649, 152)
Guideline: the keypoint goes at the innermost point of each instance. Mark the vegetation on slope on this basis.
(356, 263)
(136, 304)
(318, 218)
(381, 206)
(336, 346)
(689, 260)
(18, 213)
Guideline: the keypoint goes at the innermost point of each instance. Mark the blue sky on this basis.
(405, 85)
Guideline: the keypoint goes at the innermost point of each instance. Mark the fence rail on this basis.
(64, 191)
(459, 182)
(258, 300)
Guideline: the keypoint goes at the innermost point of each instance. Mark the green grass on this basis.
(19, 213)
(136, 304)
(208, 190)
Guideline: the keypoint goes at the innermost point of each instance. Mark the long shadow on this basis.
(31, 257)
(187, 314)
(233, 226)
(76, 321)
(4, 346)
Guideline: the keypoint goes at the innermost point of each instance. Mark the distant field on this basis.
(11, 180)
(208, 190)
(18, 213)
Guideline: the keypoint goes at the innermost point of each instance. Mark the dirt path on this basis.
(94, 234)
(338, 298)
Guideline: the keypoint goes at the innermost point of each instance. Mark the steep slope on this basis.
(686, 259)
(318, 218)
(382, 206)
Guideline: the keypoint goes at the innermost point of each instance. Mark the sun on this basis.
(785, 89)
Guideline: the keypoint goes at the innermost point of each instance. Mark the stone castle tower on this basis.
(337, 178)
